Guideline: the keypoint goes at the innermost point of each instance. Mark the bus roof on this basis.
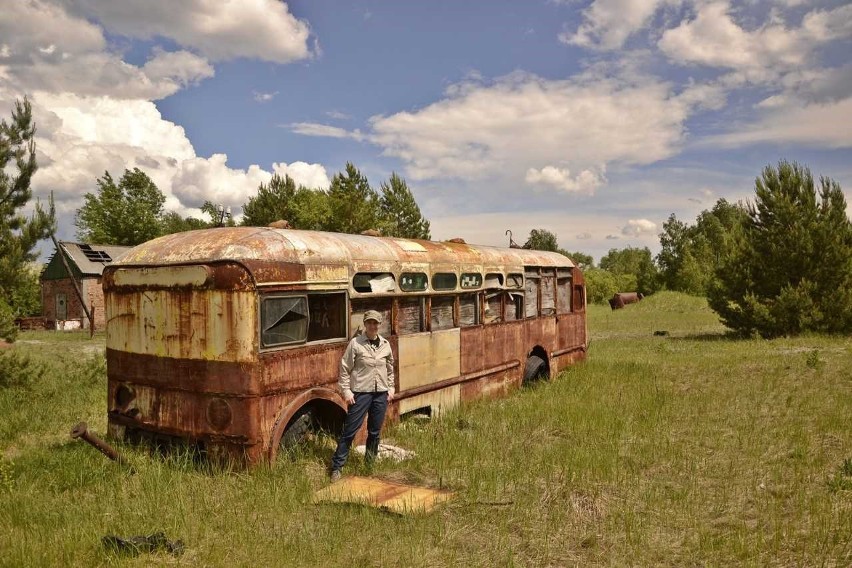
(253, 245)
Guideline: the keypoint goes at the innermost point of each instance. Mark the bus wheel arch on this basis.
(537, 365)
(318, 407)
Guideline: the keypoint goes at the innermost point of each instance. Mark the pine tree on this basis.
(353, 204)
(273, 202)
(791, 267)
(18, 233)
(401, 217)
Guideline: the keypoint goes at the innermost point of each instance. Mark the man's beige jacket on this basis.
(365, 368)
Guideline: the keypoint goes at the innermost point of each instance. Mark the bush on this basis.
(8, 330)
(18, 370)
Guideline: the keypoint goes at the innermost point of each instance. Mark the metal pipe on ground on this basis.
(621, 299)
(81, 431)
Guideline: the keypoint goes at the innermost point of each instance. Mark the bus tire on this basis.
(298, 429)
(535, 369)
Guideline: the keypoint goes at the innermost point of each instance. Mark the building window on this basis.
(444, 281)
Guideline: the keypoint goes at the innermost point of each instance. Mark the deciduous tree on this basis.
(127, 213)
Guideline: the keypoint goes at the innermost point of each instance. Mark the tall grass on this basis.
(688, 448)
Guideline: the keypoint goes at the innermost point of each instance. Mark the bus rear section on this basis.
(182, 357)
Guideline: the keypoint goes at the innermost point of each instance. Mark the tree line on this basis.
(130, 211)
(780, 264)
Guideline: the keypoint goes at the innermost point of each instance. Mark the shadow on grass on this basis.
(728, 336)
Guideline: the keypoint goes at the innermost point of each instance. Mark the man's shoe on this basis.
(334, 475)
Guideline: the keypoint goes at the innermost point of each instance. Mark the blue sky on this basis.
(594, 120)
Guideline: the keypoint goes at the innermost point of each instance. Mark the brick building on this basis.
(61, 304)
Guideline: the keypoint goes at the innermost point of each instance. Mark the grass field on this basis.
(683, 449)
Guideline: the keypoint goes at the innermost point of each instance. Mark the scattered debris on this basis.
(386, 451)
(386, 495)
(136, 545)
(621, 299)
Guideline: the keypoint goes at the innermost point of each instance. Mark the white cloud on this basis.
(178, 68)
(522, 121)
(607, 24)
(313, 176)
(316, 129)
(639, 227)
(583, 236)
(827, 125)
(264, 97)
(260, 29)
(714, 38)
(585, 182)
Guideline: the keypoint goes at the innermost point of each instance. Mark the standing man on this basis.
(367, 382)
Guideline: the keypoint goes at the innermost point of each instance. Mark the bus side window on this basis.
(531, 293)
(468, 310)
(493, 307)
(514, 306)
(548, 293)
(563, 295)
(328, 316)
(283, 320)
(410, 319)
(359, 306)
(442, 312)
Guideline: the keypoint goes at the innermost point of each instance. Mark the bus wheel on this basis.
(298, 429)
(535, 370)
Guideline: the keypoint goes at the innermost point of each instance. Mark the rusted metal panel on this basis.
(212, 325)
(428, 357)
(254, 246)
(387, 495)
(439, 401)
(162, 276)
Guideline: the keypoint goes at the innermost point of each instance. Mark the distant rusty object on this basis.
(621, 299)
(81, 431)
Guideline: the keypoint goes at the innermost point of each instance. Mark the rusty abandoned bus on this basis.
(230, 339)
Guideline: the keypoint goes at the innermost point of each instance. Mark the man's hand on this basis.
(350, 399)
(390, 396)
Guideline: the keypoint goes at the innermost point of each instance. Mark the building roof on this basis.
(85, 259)
(254, 245)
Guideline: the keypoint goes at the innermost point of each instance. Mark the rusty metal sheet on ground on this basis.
(394, 497)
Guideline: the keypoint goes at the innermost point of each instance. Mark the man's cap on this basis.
(373, 315)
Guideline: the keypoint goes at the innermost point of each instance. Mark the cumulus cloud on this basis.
(714, 38)
(94, 110)
(259, 29)
(583, 236)
(585, 182)
(607, 24)
(521, 121)
(639, 227)
(313, 176)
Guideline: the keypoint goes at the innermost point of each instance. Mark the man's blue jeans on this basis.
(375, 404)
